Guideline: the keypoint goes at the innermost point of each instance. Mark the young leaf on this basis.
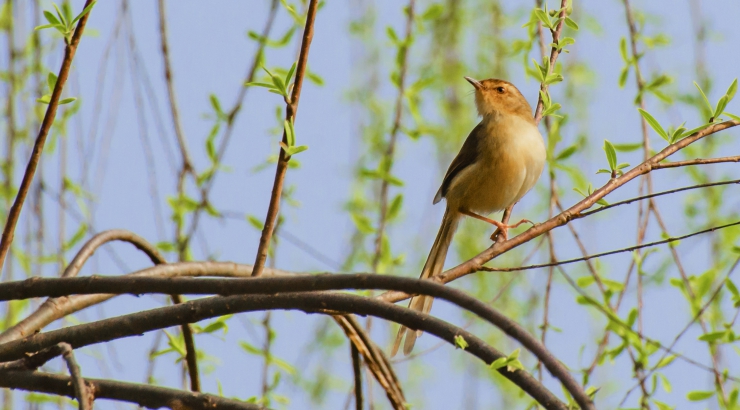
(721, 104)
(570, 23)
(67, 100)
(84, 11)
(289, 76)
(461, 342)
(706, 100)
(699, 395)
(732, 90)
(611, 154)
(733, 116)
(654, 124)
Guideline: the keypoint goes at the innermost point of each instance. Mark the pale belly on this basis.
(499, 179)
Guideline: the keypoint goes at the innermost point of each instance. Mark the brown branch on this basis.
(395, 129)
(33, 361)
(143, 395)
(38, 147)
(357, 371)
(187, 164)
(310, 302)
(291, 110)
(598, 255)
(83, 395)
(698, 161)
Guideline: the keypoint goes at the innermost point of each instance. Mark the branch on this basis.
(83, 395)
(357, 371)
(396, 128)
(273, 286)
(698, 161)
(554, 53)
(672, 191)
(598, 255)
(143, 395)
(291, 109)
(310, 302)
(38, 147)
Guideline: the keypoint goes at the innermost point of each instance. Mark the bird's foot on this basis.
(502, 229)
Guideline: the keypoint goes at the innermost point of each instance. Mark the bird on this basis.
(499, 162)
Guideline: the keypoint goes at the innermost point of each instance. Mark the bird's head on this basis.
(494, 98)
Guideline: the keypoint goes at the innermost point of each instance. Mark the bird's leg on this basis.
(501, 228)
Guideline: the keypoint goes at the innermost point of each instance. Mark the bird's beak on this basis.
(475, 83)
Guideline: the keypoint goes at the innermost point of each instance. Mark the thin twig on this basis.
(598, 255)
(395, 129)
(357, 370)
(656, 194)
(143, 395)
(698, 161)
(15, 211)
(84, 397)
(291, 110)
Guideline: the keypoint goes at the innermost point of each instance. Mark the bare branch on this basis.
(598, 255)
(143, 395)
(310, 302)
(698, 161)
(84, 397)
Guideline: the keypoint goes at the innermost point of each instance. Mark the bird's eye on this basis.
(500, 90)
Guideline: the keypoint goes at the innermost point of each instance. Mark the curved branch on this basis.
(34, 287)
(310, 302)
(143, 395)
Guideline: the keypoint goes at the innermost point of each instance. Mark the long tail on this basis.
(433, 266)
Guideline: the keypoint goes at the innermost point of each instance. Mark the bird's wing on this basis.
(467, 156)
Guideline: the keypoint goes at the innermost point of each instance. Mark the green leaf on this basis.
(712, 336)
(654, 124)
(498, 363)
(62, 20)
(732, 288)
(692, 131)
(733, 116)
(67, 100)
(255, 222)
(585, 281)
(627, 147)
(45, 99)
(623, 76)
(362, 223)
(289, 132)
(699, 395)
(296, 149)
(543, 18)
(623, 50)
(663, 406)
(51, 81)
(216, 104)
(566, 153)
(665, 361)
(289, 76)
(460, 342)
(611, 154)
(551, 110)
(706, 100)
(259, 84)
(84, 11)
(721, 105)
(570, 23)
(395, 207)
(51, 18)
(731, 91)
(392, 35)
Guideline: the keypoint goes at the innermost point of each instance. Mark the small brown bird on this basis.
(499, 162)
